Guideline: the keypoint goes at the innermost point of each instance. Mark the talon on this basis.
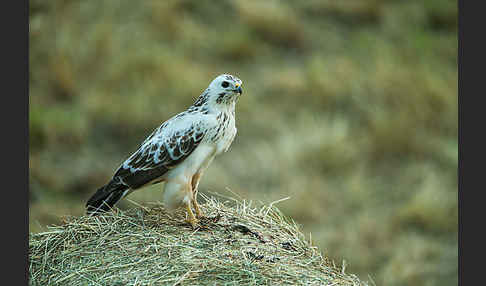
(199, 212)
(192, 222)
(191, 218)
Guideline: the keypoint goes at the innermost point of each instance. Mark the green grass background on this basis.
(349, 108)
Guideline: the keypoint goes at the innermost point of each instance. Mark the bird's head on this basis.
(226, 83)
(223, 90)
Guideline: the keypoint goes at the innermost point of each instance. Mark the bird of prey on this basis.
(178, 152)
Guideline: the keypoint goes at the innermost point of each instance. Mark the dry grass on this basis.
(236, 244)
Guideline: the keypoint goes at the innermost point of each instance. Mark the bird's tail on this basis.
(106, 197)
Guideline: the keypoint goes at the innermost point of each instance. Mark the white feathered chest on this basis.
(225, 132)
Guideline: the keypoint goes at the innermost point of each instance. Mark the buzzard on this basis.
(178, 151)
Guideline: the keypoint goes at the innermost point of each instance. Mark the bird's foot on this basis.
(199, 212)
(191, 219)
(193, 222)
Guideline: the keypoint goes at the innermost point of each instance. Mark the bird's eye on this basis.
(225, 84)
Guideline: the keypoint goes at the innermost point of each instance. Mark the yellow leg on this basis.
(180, 190)
(195, 184)
(190, 215)
(199, 212)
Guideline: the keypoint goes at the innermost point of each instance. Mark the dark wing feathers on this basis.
(155, 157)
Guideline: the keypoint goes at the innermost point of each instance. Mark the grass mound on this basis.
(236, 244)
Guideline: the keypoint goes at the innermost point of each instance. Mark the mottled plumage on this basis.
(178, 151)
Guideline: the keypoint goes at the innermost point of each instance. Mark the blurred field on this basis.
(349, 108)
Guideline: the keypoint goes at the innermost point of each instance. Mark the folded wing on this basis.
(156, 156)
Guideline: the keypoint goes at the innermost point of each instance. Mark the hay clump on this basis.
(236, 244)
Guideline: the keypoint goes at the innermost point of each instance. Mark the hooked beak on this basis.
(238, 89)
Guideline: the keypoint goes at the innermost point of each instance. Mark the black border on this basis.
(14, 25)
(470, 183)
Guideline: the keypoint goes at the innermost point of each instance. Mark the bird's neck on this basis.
(210, 104)
(225, 107)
